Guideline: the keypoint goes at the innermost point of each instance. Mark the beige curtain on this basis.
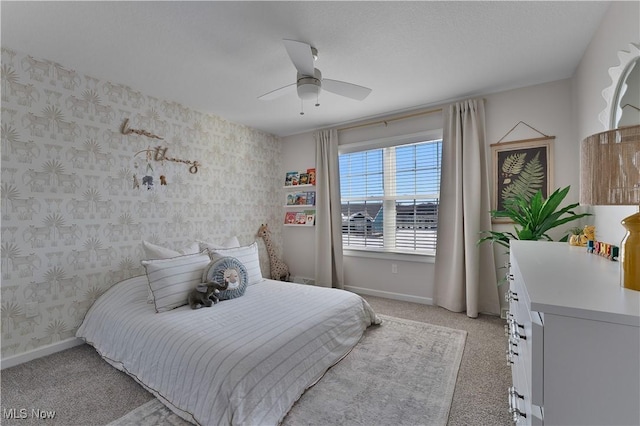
(329, 266)
(465, 275)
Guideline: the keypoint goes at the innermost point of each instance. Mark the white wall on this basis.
(566, 109)
(298, 153)
(546, 107)
(619, 28)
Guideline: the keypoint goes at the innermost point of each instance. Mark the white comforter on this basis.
(244, 361)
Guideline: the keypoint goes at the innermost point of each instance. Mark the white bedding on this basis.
(244, 361)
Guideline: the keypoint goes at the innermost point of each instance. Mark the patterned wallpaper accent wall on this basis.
(73, 217)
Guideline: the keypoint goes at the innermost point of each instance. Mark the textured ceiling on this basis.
(218, 57)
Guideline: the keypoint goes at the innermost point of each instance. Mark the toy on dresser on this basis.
(587, 238)
(607, 250)
(581, 239)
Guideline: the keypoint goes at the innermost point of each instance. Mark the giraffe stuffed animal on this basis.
(279, 269)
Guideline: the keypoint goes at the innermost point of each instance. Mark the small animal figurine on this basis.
(586, 235)
(206, 294)
(147, 181)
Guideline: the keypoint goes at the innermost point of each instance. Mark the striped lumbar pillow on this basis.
(171, 280)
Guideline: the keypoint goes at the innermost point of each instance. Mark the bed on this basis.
(243, 361)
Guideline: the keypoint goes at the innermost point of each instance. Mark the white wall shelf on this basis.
(299, 213)
(294, 187)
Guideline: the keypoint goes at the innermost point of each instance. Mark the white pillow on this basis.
(248, 256)
(153, 251)
(230, 243)
(171, 280)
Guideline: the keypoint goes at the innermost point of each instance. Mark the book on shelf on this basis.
(301, 218)
(300, 198)
(310, 217)
(290, 218)
(312, 176)
(291, 178)
(294, 178)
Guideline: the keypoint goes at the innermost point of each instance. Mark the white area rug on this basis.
(401, 373)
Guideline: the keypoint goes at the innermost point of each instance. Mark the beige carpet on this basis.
(402, 372)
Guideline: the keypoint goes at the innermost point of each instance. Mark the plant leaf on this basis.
(533, 216)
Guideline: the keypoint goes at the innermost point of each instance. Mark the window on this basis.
(390, 195)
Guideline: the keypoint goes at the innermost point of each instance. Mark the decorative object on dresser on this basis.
(279, 269)
(610, 175)
(574, 335)
(581, 237)
(535, 216)
(607, 250)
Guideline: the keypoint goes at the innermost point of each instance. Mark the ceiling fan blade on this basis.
(278, 92)
(301, 56)
(343, 88)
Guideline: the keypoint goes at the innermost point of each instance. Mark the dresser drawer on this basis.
(525, 343)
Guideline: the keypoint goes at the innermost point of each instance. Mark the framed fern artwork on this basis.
(521, 167)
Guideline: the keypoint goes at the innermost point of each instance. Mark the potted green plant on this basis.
(533, 217)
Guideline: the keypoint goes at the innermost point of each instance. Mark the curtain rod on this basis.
(387, 121)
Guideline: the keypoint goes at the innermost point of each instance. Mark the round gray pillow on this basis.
(229, 269)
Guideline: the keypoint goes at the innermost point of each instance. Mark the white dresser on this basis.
(574, 338)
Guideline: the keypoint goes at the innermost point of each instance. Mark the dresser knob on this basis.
(518, 415)
(510, 296)
(513, 405)
(511, 346)
(513, 392)
(513, 330)
(509, 360)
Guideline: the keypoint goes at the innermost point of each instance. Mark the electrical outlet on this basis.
(394, 268)
(31, 309)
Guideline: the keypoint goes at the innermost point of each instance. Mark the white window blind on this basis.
(390, 196)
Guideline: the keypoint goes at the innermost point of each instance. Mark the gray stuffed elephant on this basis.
(206, 294)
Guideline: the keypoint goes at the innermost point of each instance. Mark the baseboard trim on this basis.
(390, 295)
(14, 360)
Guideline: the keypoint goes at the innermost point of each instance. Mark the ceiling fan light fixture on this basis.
(309, 86)
(308, 90)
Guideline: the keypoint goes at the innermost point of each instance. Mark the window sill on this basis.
(387, 255)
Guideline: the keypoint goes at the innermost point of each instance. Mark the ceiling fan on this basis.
(309, 82)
